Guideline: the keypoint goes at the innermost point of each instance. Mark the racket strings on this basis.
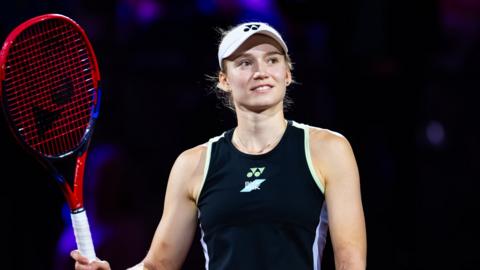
(21, 102)
(49, 87)
(52, 71)
(49, 116)
(46, 70)
(33, 57)
(42, 117)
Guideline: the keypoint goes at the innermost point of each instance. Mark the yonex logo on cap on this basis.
(251, 26)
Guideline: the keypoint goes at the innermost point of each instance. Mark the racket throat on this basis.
(73, 191)
(75, 194)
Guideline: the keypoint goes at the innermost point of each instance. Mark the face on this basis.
(257, 75)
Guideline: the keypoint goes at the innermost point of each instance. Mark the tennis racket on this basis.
(49, 91)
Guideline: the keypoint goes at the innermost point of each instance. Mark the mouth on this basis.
(261, 88)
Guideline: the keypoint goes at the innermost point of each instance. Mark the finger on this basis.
(77, 256)
(79, 266)
(95, 265)
(100, 265)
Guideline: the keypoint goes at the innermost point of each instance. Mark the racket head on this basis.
(49, 85)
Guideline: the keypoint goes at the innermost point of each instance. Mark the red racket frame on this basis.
(74, 194)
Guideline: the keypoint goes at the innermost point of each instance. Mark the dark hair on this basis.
(226, 97)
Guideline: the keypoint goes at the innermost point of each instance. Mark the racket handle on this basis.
(82, 234)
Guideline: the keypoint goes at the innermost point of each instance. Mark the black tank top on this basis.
(262, 211)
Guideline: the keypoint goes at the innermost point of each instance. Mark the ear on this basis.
(288, 77)
(223, 82)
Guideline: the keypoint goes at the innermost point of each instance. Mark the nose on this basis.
(260, 71)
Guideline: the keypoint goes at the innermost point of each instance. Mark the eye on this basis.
(272, 60)
(244, 62)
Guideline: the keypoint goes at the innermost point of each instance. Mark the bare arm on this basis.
(176, 230)
(334, 159)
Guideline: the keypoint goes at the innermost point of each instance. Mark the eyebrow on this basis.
(274, 52)
(249, 54)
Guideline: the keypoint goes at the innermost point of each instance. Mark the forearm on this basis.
(146, 265)
(347, 265)
(143, 266)
(350, 260)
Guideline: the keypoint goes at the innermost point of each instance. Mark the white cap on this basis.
(235, 38)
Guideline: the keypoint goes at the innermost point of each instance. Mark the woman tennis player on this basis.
(260, 192)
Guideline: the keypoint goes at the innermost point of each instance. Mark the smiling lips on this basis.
(261, 87)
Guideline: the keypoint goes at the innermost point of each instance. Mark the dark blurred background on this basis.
(398, 78)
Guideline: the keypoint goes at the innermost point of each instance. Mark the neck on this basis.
(258, 133)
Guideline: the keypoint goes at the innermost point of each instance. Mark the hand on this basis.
(81, 262)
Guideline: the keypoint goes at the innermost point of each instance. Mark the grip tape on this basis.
(82, 235)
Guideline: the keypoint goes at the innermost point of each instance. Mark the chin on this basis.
(263, 106)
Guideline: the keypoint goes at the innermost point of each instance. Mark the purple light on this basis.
(66, 215)
(461, 17)
(435, 133)
(147, 11)
(258, 5)
(260, 10)
(66, 242)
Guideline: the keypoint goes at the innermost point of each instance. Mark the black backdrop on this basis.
(397, 78)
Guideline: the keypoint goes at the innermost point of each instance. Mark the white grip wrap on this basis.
(82, 234)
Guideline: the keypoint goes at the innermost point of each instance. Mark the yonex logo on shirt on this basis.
(255, 172)
(255, 184)
(252, 185)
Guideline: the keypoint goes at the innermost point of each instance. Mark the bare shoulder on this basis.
(328, 140)
(329, 149)
(189, 168)
(192, 156)
(332, 154)
(190, 162)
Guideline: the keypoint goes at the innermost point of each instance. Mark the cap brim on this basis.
(242, 37)
(234, 46)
